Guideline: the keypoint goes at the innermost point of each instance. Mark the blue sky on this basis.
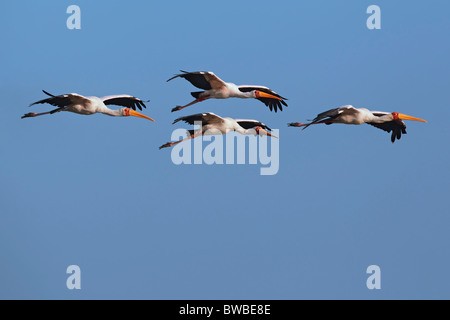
(96, 191)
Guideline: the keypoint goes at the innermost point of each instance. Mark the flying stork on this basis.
(212, 124)
(390, 122)
(76, 103)
(215, 88)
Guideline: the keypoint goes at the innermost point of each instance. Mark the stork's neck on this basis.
(112, 113)
(249, 95)
(382, 119)
(235, 92)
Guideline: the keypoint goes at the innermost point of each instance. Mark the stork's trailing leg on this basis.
(178, 108)
(33, 114)
(171, 144)
(306, 125)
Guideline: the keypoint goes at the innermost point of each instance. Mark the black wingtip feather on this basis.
(49, 94)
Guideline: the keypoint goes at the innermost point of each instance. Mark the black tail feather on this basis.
(190, 133)
(197, 94)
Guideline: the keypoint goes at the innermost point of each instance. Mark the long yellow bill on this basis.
(272, 135)
(406, 117)
(263, 132)
(260, 94)
(139, 115)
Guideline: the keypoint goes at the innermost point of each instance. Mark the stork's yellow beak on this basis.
(272, 135)
(260, 94)
(137, 114)
(263, 132)
(406, 117)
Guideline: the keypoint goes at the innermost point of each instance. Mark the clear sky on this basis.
(96, 192)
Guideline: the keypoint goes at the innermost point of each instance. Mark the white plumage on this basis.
(79, 104)
(216, 88)
(212, 124)
(389, 122)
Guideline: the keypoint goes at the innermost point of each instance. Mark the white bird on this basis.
(349, 115)
(212, 124)
(218, 89)
(76, 103)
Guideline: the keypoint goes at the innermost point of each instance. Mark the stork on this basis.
(212, 124)
(76, 103)
(215, 88)
(389, 122)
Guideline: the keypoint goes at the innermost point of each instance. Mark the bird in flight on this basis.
(212, 124)
(215, 88)
(76, 103)
(389, 122)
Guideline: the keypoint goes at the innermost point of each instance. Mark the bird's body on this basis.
(79, 104)
(389, 122)
(228, 125)
(87, 106)
(212, 124)
(215, 88)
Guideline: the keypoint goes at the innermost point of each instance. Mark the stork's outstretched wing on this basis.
(397, 127)
(124, 100)
(201, 79)
(250, 124)
(332, 114)
(273, 104)
(204, 118)
(63, 100)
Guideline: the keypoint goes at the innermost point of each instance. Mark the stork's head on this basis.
(129, 112)
(260, 94)
(401, 116)
(263, 132)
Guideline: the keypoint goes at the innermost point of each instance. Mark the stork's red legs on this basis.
(297, 124)
(305, 125)
(171, 144)
(178, 108)
(33, 114)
